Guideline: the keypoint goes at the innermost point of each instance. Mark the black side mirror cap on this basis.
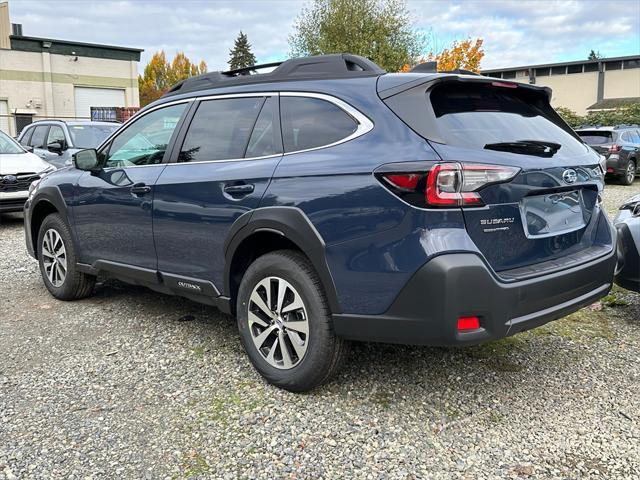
(86, 160)
(56, 147)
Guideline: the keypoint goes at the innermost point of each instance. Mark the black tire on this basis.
(628, 177)
(324, 351)
(76, 284)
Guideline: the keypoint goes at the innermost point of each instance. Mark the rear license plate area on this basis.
(553, 214)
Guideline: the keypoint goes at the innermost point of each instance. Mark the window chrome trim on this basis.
(365, 125)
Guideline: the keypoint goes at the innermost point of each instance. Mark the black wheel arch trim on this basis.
(53, 196)
(293, 224)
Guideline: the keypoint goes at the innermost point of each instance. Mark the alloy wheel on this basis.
(631, 172)
(278, 322)
(54, 257)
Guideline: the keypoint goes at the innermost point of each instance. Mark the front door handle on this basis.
(140, 189)
(242, 189)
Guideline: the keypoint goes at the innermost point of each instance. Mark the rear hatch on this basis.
(602, 141)
(527, 186)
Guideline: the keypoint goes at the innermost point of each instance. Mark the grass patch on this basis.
(194, 465)
(497, 355)
(583, 326)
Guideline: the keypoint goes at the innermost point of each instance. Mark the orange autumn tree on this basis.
(466, 54)
(160, 75)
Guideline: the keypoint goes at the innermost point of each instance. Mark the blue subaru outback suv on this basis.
(328, 200)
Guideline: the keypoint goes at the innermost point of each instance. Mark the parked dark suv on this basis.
(328, 201)
(621, 147)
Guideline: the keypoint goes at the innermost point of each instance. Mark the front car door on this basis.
(112, 210)
(221, 167)
(56, 135)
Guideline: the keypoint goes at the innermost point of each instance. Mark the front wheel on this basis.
(285, 324)
(57, 259)
(630, 175)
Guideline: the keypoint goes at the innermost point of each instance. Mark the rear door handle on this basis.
(242, 189)
(140, 189)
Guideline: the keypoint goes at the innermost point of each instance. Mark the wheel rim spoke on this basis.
(301, 326)
(297, 343)
(278, 322)
(259, 302)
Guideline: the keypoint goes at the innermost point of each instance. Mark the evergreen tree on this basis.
(593, 55)
(241, 55)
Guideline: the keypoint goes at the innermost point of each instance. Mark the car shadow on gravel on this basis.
(10, 219)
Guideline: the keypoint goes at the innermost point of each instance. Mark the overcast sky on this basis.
(515, 32)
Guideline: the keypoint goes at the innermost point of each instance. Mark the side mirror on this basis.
(56, 147)
(86, 160)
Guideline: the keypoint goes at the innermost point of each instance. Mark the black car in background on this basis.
(621, 147)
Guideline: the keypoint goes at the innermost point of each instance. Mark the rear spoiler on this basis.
(427, 81)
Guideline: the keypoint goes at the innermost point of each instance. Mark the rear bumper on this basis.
(455, 285)
(616, 165)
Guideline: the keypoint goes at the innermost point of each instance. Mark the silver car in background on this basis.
(18, 170)
(56, 140)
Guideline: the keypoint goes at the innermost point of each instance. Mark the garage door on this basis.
(87, 97)
(4, 117)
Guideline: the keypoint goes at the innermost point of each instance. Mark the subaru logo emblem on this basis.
(8, 179)
(569, 176)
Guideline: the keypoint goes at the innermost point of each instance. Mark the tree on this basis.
(160, 75)
(466, 55)
(240, 56)
(629, 114)
(378, 29)
(593, 55)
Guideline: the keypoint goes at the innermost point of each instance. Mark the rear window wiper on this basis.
(526, 147)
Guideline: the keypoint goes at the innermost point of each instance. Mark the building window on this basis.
(511, 74)
(631, 64)
(574, 68)
(542, 72)
(613, 65)
(591, 67)
(559, 70)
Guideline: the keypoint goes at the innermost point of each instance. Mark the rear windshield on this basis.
(596, 138)
(90, 136)
(473, 116)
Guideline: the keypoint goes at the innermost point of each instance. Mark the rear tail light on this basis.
(448, 184)
(614, 148)
(468, 323)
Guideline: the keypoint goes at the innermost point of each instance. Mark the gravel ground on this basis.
(134, 384)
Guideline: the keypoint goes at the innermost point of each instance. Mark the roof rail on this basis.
(625, 125)
(342, 65)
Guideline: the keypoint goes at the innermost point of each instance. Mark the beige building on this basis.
(47, 78)
(584, 85)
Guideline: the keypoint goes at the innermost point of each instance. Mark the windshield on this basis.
(90, 136)
(473, 116)
(596, 138)
(9, 145)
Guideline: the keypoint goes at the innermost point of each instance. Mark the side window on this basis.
(56, 134)
(264, 138)
(38, 137)
(312, 122)
(220, 129)
(26, 138)
(626, 137)
(145, 140)
(635, 136)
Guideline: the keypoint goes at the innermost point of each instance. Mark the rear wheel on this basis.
(57, 259)
(285, 323)
(630, 175)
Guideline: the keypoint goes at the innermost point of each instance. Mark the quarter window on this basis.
(56, 135)
(38, 137)
(312, 122)
(145, 141)
(220, 129)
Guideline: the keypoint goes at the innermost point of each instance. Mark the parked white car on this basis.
(18, 170)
